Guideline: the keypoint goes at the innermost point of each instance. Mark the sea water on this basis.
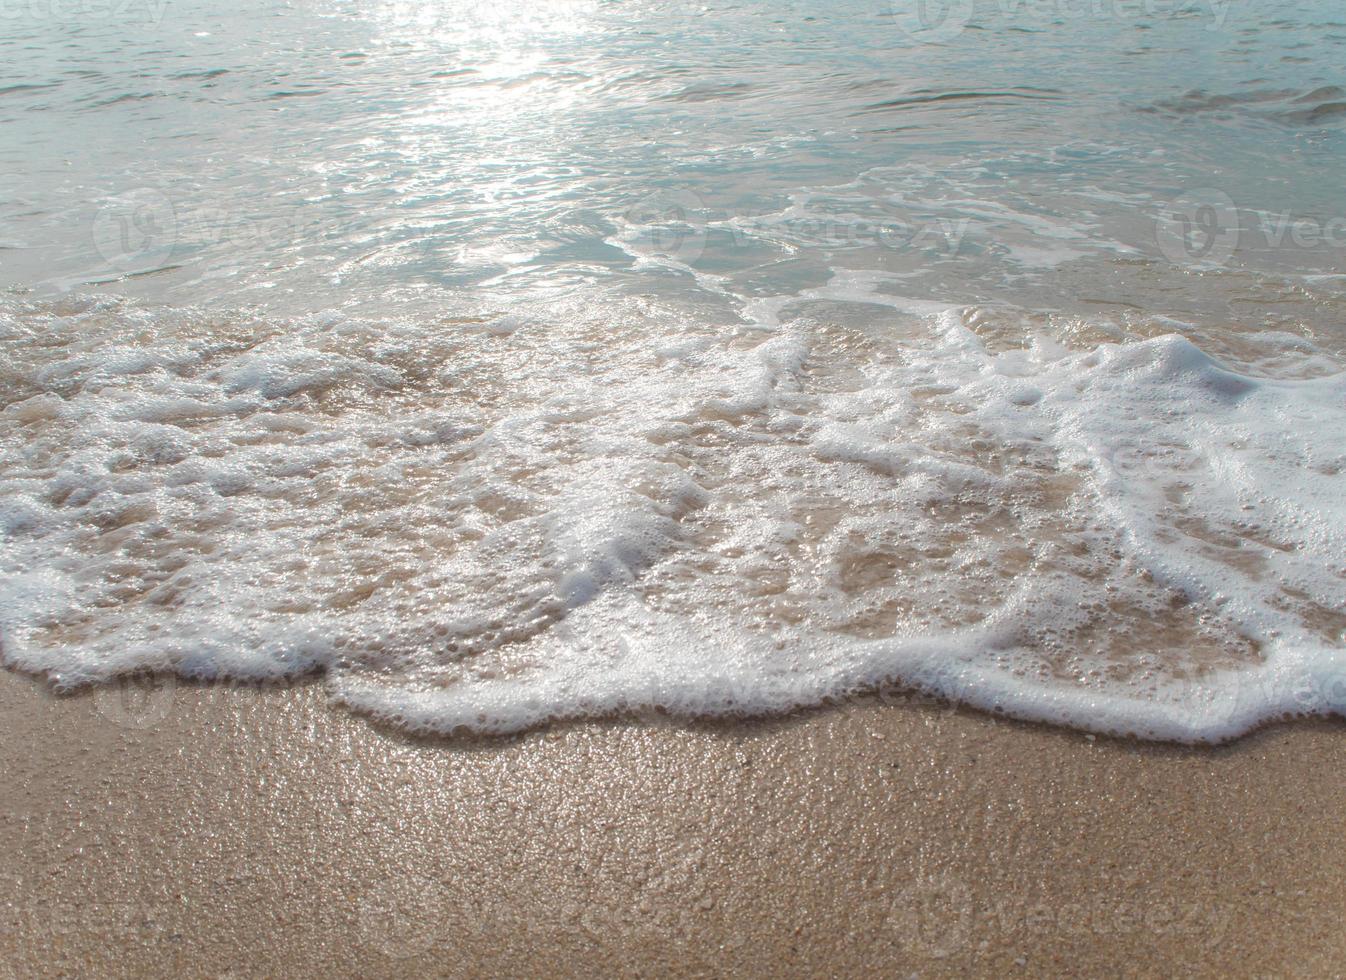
(506, 362)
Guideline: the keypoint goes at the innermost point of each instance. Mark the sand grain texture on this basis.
(227, 832)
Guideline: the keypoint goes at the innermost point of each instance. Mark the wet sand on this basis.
(208, 831)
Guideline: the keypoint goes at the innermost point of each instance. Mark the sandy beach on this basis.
(459, 366)
(213, 831)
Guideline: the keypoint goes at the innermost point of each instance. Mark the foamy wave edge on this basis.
(1295, 678)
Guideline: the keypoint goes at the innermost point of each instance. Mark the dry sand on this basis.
(217, 832)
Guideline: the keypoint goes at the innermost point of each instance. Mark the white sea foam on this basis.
(488, 522)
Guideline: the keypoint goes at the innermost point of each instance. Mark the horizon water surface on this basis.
(512, 362)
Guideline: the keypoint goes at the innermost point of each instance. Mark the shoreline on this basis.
(144, 698)
(250, 833)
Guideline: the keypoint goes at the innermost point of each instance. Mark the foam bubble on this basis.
(489, 521)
